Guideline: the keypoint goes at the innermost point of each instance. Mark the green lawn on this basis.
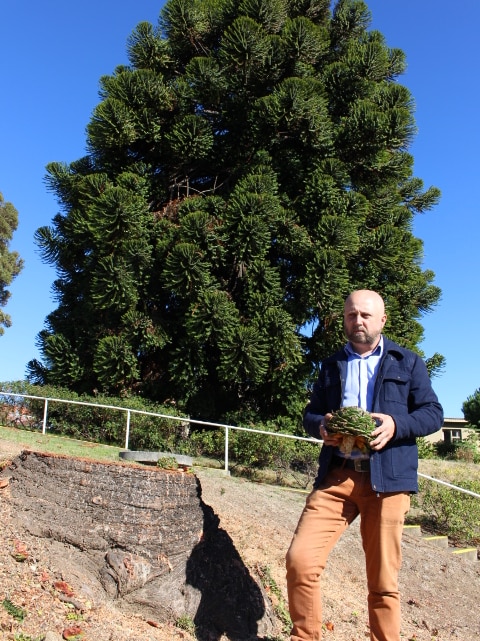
(35, 440)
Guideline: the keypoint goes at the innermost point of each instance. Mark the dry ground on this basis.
(440, 592)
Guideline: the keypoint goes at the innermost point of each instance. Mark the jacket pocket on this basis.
(396, 386)
(404, 461)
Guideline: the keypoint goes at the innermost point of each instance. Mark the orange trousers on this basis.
(329, 510)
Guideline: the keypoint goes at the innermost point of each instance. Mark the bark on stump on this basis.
(141, 537)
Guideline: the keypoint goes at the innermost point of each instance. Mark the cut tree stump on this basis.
(141, 537)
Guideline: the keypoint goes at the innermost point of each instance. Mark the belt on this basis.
(359, 465)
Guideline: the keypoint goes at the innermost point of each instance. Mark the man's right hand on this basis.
(327, 437)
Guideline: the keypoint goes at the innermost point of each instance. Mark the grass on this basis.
(54, 444)
(445, 470)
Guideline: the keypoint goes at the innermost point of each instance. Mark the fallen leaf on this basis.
(20, 551)
(154, 624)
(329, 625)
(64, 588)
(20, 546)
(73, 633)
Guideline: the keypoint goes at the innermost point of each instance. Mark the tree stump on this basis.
(141, 537)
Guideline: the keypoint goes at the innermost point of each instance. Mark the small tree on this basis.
(10, 262)
(471, 409)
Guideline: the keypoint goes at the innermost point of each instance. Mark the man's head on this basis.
(364, 317)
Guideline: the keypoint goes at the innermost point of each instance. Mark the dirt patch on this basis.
(440, 592)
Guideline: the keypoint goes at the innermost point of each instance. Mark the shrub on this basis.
(426, 450)
(445, 450)
(450, 511)
(259, 450)
(466, 451)
(209, 443)
(167, 463)
(304, 464)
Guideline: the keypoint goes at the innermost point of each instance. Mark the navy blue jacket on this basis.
(402, 390)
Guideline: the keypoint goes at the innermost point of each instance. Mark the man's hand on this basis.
(384, 433)
(327, 437)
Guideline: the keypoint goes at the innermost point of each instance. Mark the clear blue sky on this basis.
(53, 55)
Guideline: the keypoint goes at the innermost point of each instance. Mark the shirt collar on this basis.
(378, 351)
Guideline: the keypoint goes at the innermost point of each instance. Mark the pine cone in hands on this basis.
(355, 425)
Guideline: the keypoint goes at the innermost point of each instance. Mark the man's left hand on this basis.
(384, 433)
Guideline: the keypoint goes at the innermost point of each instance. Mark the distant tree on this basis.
(245, 172)
(10, 262)
(471, 409)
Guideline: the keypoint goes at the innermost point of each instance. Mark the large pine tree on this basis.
(246, 171)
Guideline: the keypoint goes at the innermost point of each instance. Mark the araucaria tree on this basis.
(244, 173)
(10, 262)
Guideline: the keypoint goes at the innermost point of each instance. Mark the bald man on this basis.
(391, 383)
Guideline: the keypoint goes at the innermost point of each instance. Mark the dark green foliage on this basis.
(10, 262)
(426, 450)
(435, 364)
(206, 443)
(471, 409)
(287, 458)
(167, 463)
(245, 172)
(15, 611)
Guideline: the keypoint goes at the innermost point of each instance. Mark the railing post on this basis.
(45, 413)
(127, 431)
(226, 449)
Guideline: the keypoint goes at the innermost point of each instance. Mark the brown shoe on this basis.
(4, 483)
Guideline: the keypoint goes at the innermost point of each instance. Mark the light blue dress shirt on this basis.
(361, 377)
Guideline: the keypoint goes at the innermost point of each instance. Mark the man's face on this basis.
(364, 318)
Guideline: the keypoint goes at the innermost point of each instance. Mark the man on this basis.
(392, 383)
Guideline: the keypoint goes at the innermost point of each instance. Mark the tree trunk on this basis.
(142, 537)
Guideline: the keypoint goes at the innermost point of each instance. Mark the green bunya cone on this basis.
(352, 421)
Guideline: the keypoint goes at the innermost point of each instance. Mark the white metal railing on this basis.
(129, 412)
(184, 419)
